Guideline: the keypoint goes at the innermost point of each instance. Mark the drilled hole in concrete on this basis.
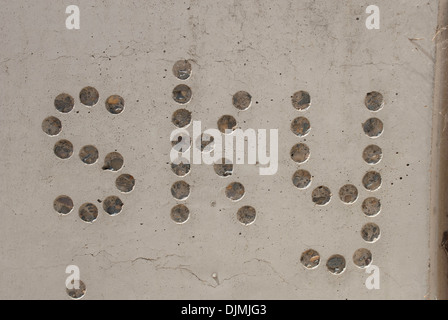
(226, 123)
(242, 100)
(88, 212)
(181, 118)
(300, 126)
(370, 232)
(64, 103)
(336, 264)
(181, 169)
(374, 101)
(115, 104)
(88, 154)
(321, 195)
(112, 205)
(89, 96)
(113, 161)
(310, 259)
(63, 149)
(182, 142)
(180, 190)
(224, 168)
(79, 293)
(182, 69)
(373, 127)
(301, 179)
(301, 100)
(182, 94)
(235, 191)
(372, 154)
(348, 194)
(52, 126)
(180, 214)
(362, 258)
(371, 207)
(300, 153)
(206, 143)
(125, 183)
(372, 181)
(63, 204)
(246, 215)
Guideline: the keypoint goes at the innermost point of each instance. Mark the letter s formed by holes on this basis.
(73, 20)
(72, 281)
(373, 281)
(373, 21)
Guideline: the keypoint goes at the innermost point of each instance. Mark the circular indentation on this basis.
(374, 101)
(89, 96)
(182, 69)
(182, 94)
(348, 194)
(63, 149)
(63, 204)
(301, 179)
(300, 153)
(206, 143)
(52, 126)
(226, 124)
(372, 181)
(300, 126)
(321, 195)
(125, 183)
(79, 293)
(64, 103)
(113, 205)
(235, 191)
(371, 207)
(113, 161)
(88, 212)
(362, 258)
(242, 100)
(372, 154)
(115, 104)
(181, 169)
(310, 259)
(370, 232)
(224, 168)
(180, 190)
(180, 214)
(336, 264)
(88, 154)
(301, 100)
(181, 142)
(181, 118)
(246, 215)
(373, 127)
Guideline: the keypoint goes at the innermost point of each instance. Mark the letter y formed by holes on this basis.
(373, 21)
(72, 281)
(373, 281)
(72, 21)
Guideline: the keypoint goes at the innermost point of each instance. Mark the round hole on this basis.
(182, 94)
(113, 161)
(115, 104)
(180, 214)
(348, 194)
(372, 154)
(227, 124)
(125, 183)
(242, 100)
(371, 207)
(336, 264)
(224, 168)
(181, 118)
(52, 126)
(372, 181)
(64, 103)
(79, 293)
(246, 215)
(63, 149)
(373, 127)
(301, 100)
(321, 195)
(89, 96)
(182, 142)
(370, 232)
(310, 259)
(362, 258)
(374, 101)
(88, 212)
(301, 179)
(182, 69)
(300, 153)
(88, 154)
(300, 126)
(206, 143)
(180, 190)
(235, 191)
(112, 205)
(181, 169)
(63, 205)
